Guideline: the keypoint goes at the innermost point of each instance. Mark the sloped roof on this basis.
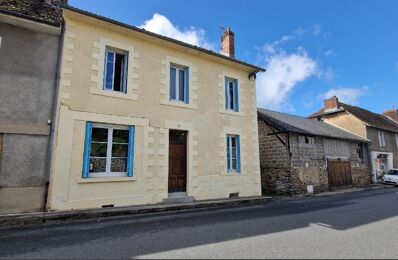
(296, 124)
(34, 10)
(162, 37)
(366, 116)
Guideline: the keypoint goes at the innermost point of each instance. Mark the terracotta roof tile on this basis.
(366, 116)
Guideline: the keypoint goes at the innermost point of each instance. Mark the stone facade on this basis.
(288, 168)
(148, 107)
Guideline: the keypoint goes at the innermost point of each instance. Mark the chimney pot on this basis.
(228, 43)
(331, 104)
(392, 114)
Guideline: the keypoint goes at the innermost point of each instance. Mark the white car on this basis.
(391, 177)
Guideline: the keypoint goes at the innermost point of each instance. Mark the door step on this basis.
(175, 198)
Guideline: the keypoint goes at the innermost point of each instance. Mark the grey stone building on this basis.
(299, 155)
(30, 32)
(380, 129)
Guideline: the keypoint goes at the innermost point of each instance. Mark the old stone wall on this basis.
(360, 175)
(272, 151)
(308, 164)
(289, 180)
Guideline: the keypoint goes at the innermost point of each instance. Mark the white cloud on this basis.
(160, 24)
(347, 95)
(284, 72)
(329, 53)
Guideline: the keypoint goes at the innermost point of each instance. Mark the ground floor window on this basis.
(109, 151)
(233, 153)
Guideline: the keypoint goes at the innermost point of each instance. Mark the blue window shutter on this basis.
(187, 85)
(226, 93)
(236, 96)
(130, 160)
(87, 146)
(238, 153)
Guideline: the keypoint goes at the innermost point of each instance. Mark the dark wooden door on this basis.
(339, 174)
(177, 161)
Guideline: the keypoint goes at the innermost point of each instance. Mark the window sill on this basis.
(233, 113)
(106, 179)
(113, 94)
(232, 174)
(177, 104)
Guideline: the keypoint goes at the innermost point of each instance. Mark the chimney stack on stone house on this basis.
(331, 104)
(228, 43)
(392, 114)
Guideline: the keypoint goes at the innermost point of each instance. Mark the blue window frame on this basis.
(233, 153)
(115, 71)
(179, 83)
(109, 151)
(231, 94)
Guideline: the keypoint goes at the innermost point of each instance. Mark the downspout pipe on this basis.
(54, 114)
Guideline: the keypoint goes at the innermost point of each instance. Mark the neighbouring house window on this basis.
(179, 83)
(231, 94)
(115, 72)
(360, 152)
(233, 153)
(382, 141)
(304, 139)
(396, 139)
(109, 151)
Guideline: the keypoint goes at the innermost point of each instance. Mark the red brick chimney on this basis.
(228, 43)
(331, 104)
(392, 114)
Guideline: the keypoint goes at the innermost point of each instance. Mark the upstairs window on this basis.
(115, 76)
(382, 141)
(231, 94)
(305, 139)
(179, 83)
(396, 139)
(233, 153)
(109, 151)
(360, 153)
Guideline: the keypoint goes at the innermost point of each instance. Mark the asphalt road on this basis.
(354, 225)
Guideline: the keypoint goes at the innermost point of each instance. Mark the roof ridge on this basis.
(166, 38)
(303, 125)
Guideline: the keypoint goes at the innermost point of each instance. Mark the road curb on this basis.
(15, 220)
(336, 192)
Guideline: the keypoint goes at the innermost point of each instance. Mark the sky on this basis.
(311, 49)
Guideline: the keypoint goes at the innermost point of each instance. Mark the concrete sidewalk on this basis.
(21, 219)
(375, 186)
(9, 220)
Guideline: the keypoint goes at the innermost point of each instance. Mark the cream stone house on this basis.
(144, 119)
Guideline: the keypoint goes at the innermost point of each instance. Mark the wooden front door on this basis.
(177, 161)
(339, 174)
